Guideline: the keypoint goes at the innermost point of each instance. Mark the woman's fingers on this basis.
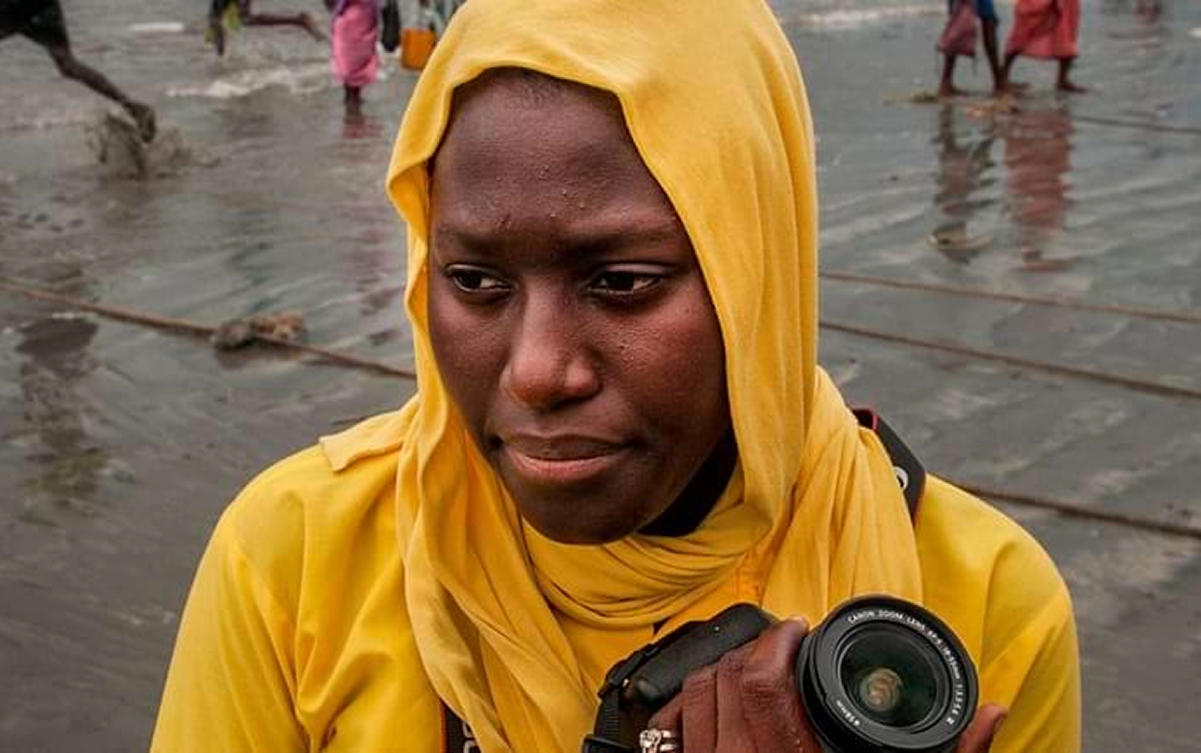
(980, 733)
(670, 717)
(771, 702)
(699, 712)
(732, 732)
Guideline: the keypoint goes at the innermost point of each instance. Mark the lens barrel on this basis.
(881, 675)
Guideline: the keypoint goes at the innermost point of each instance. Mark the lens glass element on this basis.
(892, 676)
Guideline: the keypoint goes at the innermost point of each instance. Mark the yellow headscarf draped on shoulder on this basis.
(713, 99)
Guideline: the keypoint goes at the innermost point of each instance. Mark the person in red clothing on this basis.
(1045, 30)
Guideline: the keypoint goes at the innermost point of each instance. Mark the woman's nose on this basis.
(550, 362)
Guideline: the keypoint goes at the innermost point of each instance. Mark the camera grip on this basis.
(690, 647)
(639, 685)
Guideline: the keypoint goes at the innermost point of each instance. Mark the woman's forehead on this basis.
(555, 178)
(503, 96)
(530, 88)
(549, 142)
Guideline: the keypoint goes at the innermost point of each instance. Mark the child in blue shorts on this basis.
(988, 23)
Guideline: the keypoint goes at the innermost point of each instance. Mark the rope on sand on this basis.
(1137, 385)
(1179, 317)
(1074, 510)
(1070, 509)
(1006, 105)
(200, 330)
(1144, 126)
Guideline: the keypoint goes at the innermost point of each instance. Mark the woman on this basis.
(1045, 30)
(355, 28)
(620, 426)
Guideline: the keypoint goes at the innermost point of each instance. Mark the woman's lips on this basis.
(560, 462)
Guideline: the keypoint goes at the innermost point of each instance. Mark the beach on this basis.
(1015, 288)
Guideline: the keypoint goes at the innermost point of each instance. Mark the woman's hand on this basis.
(748, 701)
(980, 733)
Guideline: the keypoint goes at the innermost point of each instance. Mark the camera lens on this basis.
(881, 674)
(893, 678)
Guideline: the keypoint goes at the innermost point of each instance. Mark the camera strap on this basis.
(651, 676)
(911, 475)
(457, 737)
(608, 731)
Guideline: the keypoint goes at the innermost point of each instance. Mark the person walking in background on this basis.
(42, 22)
(987, 13)
(355, 29)
(1045, 29)
(237, 13)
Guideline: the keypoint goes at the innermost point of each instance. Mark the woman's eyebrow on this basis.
(593, 234)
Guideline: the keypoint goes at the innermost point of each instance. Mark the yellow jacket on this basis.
(296, 637)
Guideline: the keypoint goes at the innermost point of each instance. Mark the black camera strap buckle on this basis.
(640, 684)
(609, 729)
(620, 673)
(908, 469)
(596, 744)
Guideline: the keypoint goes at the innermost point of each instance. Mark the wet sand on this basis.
(121, 445)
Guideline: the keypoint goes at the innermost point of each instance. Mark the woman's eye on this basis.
(475, 281)
(625, 282)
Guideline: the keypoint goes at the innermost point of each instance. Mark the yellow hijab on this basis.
(713, 99)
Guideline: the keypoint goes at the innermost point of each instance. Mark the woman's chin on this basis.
(563, 523)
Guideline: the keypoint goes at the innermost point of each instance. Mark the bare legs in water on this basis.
(1063, 81)
(43, 22)
(947, 88)
(71, 67)
(248, 17)
(352, 97)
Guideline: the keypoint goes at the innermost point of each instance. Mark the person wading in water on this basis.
(245, 15)
(42, 21)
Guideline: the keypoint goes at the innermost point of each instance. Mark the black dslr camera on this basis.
(878, 675)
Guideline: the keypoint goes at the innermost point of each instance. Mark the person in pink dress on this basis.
(1045, 30)
(355, 29)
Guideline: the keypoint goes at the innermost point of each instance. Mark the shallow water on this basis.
(120, 445)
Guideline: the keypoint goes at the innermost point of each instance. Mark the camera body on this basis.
(878, 675)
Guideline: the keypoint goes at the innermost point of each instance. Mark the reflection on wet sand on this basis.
(68, 461)
(1036, 143)
(1146, 11)
(371, 242)
(962, 172)
(1037, 158)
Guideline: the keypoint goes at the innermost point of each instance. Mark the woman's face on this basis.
(569, 317)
